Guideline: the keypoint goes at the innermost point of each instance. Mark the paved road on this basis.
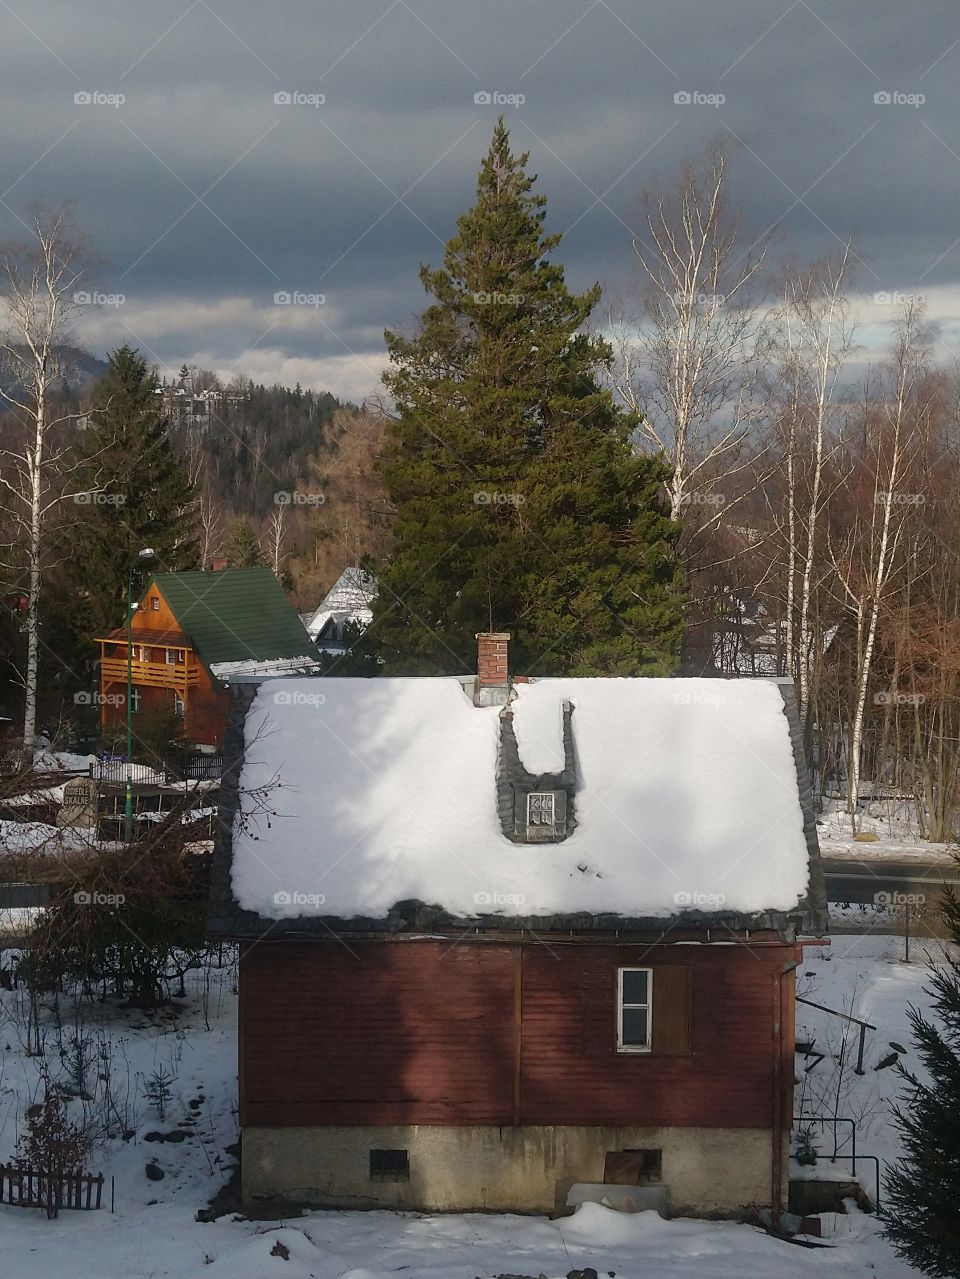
(862, 880)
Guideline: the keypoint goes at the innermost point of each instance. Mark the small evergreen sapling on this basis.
(806, 1153)
(158, 1090)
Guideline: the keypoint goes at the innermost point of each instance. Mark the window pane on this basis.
(634, 987)
(635, 1027)
(540, 808)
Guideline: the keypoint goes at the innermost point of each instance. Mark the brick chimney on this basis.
(493, 670)
(218, 564)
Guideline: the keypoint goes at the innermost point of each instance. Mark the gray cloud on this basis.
(309, 199)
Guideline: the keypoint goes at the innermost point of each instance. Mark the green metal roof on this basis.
(234, 614)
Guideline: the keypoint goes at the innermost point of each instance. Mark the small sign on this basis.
(79, 807)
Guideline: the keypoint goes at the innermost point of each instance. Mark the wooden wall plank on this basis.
(428, 1031)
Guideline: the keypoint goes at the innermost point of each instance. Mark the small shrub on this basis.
(52, 1146)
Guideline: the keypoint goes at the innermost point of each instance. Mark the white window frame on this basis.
(179, 707)
(154, 604)
(635, 1048)
(542, 794)
(135, 699)
(171, 656)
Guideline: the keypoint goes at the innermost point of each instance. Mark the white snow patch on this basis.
(47, 761)
(38, 837)
(267, 667)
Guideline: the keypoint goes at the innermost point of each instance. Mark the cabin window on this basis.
(634, 1006)
(143, 653)
(178, 705)
(134, 700)
(541, 815)
(155, 603)
(540, 808)
(171, 656)
(389, 1165)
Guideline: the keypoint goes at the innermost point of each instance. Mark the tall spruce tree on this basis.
(139, 495)
(520, 502)
(922, 1191)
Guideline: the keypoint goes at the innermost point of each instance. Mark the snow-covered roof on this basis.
(273, 666)
(348, 599)
(359, 794)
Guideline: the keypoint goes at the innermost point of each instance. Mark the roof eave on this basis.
(420, 917)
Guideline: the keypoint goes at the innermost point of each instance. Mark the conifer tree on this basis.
(922, 1191)
(521, 504)
(242, 549)
(139, 495)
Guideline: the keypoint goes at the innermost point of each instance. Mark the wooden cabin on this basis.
(192, 633)
(505, 944)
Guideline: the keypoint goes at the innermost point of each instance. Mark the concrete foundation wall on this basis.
(525, 1169)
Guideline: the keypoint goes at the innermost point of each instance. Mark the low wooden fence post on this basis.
(33, 1188)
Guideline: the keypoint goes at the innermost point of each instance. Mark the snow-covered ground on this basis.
(50, 761)
(891, 829)
(878, 990)
(163, 1241)
(153, 1231)
(39, 837)
(35, 795)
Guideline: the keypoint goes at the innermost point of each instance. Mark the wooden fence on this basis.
(31, 1188)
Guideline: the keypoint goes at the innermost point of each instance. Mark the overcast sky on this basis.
(206, 197)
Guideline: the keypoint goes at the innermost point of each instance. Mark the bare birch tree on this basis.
(213, 528)
(814, 341)
(38, 299)
(688, 355)
(868, 561)
(277, 538)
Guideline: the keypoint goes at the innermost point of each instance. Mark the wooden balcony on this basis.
(180, 677)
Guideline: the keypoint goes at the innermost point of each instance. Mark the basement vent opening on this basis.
(389, 1165)
(633, 1167)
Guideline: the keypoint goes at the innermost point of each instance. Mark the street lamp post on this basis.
(143, 557)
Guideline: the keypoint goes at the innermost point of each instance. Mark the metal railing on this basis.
(190, 768)
(824, 1120)
(857, 1021)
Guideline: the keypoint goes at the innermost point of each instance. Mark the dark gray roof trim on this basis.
(818, 918)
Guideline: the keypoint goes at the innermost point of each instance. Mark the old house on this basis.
(499, 939)
(192, 633)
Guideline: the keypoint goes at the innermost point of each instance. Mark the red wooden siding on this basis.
(718, 1074)
(437, 1032)
(405, 1033)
